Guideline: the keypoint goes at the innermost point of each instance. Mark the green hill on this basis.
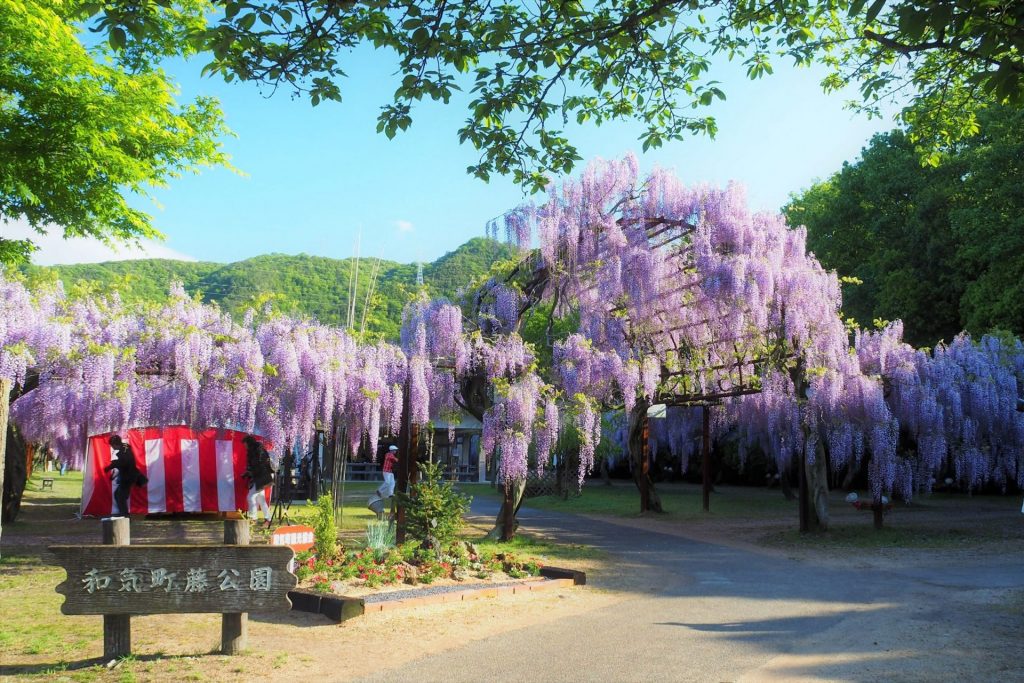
(311, 285)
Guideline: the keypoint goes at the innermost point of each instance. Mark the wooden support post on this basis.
(234, 627)
(405, 468)
(645, 464)
(5, 396)
(878, 512)
(117, 628)
(805, 493)
(705, 450)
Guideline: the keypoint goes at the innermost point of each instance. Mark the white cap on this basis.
(392, 448)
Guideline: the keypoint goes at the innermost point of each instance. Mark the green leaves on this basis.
(531, 69)
(873, 11)
(433, 508)
(89, 126)
(117, 38)
(247, 21)
(935, 245)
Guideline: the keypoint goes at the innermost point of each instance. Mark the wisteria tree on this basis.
(19, 313)
(476, 361)
(670, 295)
(100, 365)
(685, 297)
(956, 407)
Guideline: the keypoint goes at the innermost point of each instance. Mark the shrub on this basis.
(433, 509)
(380, 537)
(325, 532)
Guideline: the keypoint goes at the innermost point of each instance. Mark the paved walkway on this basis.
(706, 612)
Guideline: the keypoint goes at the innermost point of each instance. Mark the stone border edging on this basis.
(339, 608)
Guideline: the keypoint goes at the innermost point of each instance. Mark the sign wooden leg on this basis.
(234, 633)
(117, 628)
(234, 627)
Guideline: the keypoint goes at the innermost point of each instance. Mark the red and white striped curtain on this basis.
(188, 471)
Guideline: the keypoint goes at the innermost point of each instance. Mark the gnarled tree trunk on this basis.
(817, 483)
(638, 456)
(15, 475)
(506, 524)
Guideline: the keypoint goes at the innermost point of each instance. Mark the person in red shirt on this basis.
(390, 460)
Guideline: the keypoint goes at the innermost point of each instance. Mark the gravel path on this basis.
(701, 611)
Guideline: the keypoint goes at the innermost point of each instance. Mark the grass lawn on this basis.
(938, 521)
(680, 502)
(37, 642)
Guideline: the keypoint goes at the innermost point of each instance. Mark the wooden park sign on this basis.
(174, 579)
(119, 581)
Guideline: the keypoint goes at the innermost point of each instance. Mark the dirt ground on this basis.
(299, 646)
(38, 643)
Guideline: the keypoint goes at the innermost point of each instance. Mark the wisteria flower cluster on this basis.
(100, 365)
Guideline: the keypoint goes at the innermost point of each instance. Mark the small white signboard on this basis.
(658, 410)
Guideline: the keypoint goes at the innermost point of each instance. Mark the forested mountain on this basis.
(313, 285)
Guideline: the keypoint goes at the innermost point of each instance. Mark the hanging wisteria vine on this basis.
(101, 366)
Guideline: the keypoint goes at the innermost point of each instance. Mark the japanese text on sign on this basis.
(196, 580)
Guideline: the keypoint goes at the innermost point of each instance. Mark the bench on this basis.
(47, 484)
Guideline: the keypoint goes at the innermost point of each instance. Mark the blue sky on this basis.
(315, 177)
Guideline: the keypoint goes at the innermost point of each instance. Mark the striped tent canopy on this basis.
(187, 471)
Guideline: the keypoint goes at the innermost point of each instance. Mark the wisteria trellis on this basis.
(679, 292)
(683, 295)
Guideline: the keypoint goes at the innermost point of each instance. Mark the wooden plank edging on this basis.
(578, 578)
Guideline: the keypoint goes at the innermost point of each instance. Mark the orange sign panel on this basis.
(297, 537)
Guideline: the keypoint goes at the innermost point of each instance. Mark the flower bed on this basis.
(359, 571)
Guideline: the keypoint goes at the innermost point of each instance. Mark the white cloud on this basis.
(53, 249)
(404, 226)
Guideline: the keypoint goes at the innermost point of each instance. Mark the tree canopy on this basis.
(938, 248)
(82, 126)
(531, 68)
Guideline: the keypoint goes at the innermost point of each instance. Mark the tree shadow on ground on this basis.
(782, 625)
(14, 669)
